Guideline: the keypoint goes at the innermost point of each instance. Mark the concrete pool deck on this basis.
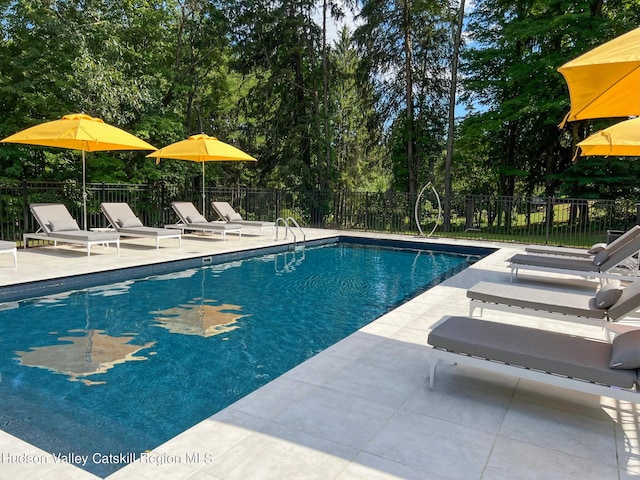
(362, 409)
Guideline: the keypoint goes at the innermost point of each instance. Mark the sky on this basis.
(333, 27)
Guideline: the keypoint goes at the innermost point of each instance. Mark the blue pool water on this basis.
(119, 369)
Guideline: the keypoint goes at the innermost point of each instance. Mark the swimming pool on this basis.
(119, 369)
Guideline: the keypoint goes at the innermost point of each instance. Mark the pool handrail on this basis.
(287, 229)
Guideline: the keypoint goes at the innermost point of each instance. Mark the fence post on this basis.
(246, 199)
(25, 213)
(161, 202)
(366, 211)
(548, 219)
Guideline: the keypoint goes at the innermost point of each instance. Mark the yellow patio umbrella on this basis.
(621, 139)
(605, 82)
(78, 131)
(201, 148)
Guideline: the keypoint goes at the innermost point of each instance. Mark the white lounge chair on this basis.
(612, 262)
(127, 224)
(57, 225)
(228, 214)
(611, 303)
(569, 361)
(192, 220)
(629, 235)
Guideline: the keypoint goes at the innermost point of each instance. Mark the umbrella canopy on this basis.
(605, 82)
(201, 148)
(621, 139)
(79, 132)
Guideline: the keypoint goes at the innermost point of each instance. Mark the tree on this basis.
(601, 178)
(278, 42)
(405, 44)
(457, 43)
(510, 69)
(69, 56)
(357, 133)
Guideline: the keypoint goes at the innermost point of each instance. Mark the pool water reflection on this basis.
(79, 357)
(199, 317)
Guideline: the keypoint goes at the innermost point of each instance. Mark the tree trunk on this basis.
(408, 66)
(452, 118)
(325, 92)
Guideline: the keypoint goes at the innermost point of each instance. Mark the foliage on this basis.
(510, 69)
(597, 177)
(406, 46)
(359, 152)
(365, 112)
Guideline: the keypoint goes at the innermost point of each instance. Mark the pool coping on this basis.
(24, 290)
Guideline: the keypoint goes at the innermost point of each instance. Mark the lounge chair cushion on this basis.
(540, 299)
(550, 261)
(629, 301)
(196, 218)
(129, 222)
(233, 216)
(625, 351)
(66, 225)
(608, 295)
(533, 348)
(601, 257)
(77, 236)
(597, 248)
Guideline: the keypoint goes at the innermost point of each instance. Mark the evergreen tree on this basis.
(406, 45)
(357, 131)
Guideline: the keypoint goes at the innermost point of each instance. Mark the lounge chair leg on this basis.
(472, 308)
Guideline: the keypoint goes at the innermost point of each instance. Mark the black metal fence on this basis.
(556, 221)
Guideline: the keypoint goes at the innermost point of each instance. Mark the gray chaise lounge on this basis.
(228, 214)
(547, 357)
(192, 220)
(630, 234)
(609, 263)
(57, 225)
(612, 303)
(127, 224)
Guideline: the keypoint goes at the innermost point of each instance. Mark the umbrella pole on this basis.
(84, 194)
(203, 194)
